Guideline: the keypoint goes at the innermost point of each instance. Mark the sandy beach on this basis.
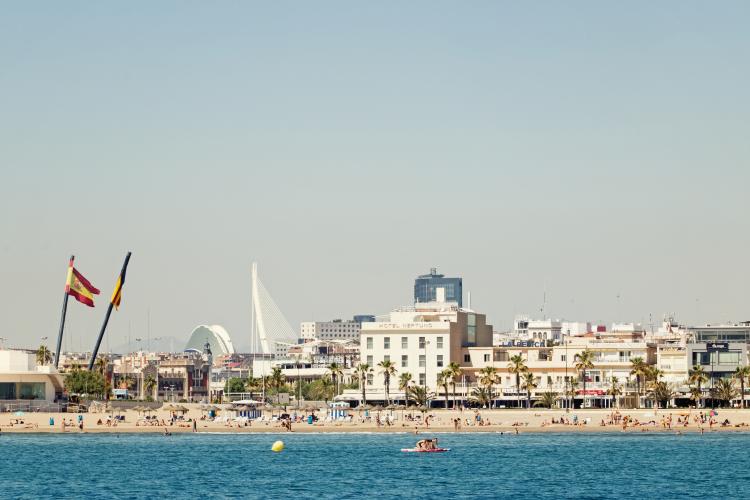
(505, 420)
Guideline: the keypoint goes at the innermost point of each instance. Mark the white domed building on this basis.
(216, 336)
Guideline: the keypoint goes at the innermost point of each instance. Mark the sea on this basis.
(337, 466)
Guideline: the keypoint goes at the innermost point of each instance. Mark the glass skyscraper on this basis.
(425, 287)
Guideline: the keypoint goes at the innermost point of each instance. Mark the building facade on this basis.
(426, 288)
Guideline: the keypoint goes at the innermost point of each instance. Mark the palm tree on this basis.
(615, 389)
(547, 399)
(443, 379)
(573, 383)
(336, 373)
(517, 366)
(724, 390)
(529, 383)
(327, 387)
(403, 385)
(584, 361)
(455, 371)
(43, 355)
(661, 392)
(696, 395)
(637, 367)
(387, 368)
(149, 384)
(741, 373)
(697, 375)
(488, 378)
(363, 369)
(420, 395)
(277, 382)
(481, 395)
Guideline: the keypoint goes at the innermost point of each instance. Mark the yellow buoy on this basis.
(277, 446)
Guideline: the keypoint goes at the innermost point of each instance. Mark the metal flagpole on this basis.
(121, 283)
(62, 319)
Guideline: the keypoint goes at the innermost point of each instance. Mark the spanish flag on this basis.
(117, 293)
(79, 287)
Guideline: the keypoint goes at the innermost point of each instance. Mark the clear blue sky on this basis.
(589, 149)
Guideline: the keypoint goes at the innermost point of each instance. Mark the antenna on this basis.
(544, 303)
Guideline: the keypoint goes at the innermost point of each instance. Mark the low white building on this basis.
(22, 380)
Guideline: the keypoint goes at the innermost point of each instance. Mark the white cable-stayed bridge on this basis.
(271, 333)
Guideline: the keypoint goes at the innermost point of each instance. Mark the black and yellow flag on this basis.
(117, 293)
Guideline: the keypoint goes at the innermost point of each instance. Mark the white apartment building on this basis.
(329, 330)
(551, 365)
(537, 330)
(421, 340)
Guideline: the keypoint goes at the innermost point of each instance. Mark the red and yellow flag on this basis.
(79, 287)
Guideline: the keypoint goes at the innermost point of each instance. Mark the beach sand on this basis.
(501, 420)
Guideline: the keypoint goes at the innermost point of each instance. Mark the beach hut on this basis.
(247, 411)
(339, 410)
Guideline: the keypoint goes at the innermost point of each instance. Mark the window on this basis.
(404, 361)
(467, 358)
(387, 357)
(440, 342)
(369, 379)
(369, 342)
(386, 342)
(440, 360)
(422, 343)
(471, 329)
(404, 342)
(486, 358)
(730, 357)
(563, 358)
(422, 379)
(422, 361)
(369, 361)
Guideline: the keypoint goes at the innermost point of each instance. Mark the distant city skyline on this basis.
(589, 157)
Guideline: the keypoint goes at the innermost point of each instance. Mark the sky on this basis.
(590, 159)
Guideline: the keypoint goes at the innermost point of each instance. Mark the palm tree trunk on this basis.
(518, 390)
(583, 404)
(454, 394)
(742, 393)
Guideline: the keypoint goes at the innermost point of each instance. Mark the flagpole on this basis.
(106, 317)
(62, 319)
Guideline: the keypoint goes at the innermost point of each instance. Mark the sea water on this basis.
(491, 465)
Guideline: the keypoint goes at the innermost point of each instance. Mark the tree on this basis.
(615, 389)
(336, 374)
(637, 367)
(43, 355)
(698, 376)
(529, 384)
(517, 367)
(661, 392)
(455, 372)
(443, 379)
(724, 391)
(696, 395)
(234, 384)
(742, 373)
(547, 399)
(277, 381)
(573, 383)
(420, 395)
(126, 382)
(387, 368)
(322, 388)
(403, 385)
(488, 378)
(149, 385)
(363, 370)
(79, 381)
(584, 361)
(481, 395)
